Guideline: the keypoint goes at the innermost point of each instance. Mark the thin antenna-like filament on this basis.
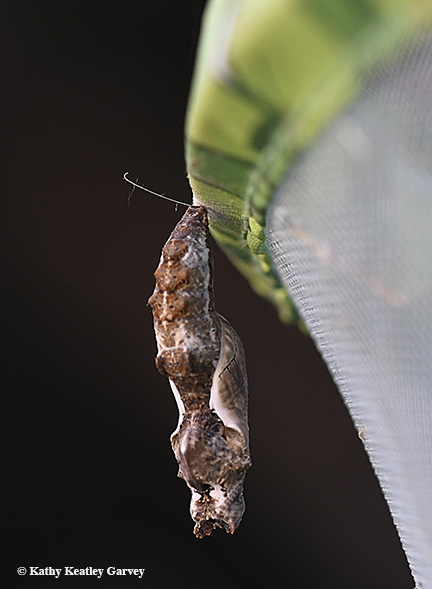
(136, 185)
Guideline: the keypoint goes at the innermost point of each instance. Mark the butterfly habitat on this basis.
(303, 130)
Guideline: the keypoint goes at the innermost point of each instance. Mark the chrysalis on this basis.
(203, 358)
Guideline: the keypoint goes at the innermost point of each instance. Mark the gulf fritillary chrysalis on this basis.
(203, 358)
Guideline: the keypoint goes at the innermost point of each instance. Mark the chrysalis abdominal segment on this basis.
(203, 358)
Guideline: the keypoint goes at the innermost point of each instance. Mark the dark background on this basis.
(91, 90)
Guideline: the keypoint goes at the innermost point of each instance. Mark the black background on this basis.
(91, 90)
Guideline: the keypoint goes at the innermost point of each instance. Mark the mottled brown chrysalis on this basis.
(203, 358)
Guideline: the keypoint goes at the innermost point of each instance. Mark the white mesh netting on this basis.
(350, 231)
